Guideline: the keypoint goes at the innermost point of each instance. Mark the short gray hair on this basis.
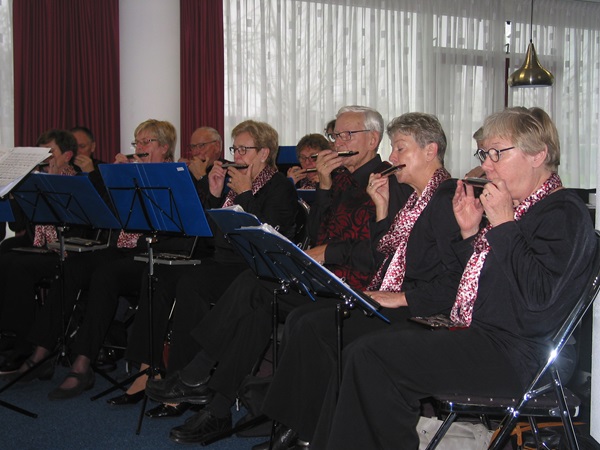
(373, 120)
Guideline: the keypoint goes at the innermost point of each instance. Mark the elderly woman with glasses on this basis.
(525, 245)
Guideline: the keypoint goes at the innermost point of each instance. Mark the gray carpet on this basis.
(84, 424)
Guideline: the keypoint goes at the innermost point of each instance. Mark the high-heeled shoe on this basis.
(164, 410)
(85, 381)
(126, 399)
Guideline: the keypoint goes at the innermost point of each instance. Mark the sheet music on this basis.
(16, 163)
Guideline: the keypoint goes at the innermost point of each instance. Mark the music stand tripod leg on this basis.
(153, 369)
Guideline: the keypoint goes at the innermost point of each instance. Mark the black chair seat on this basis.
(544, 405)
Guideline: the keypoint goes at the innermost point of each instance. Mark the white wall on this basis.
(150, 65)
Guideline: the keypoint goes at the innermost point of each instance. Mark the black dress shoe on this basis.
(85, 381)
(163, 410)
(283, 439)
(174, 390)
(126, 399)
(13, 362)
(201, 427)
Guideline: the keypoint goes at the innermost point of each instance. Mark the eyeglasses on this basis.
(343, 135)
(241, 150)
(142, 142)
(303, 159)
(199, 145)
(492, 153)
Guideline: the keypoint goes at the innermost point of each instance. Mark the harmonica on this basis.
(348, 153)
(310, 170)
(476, 182)
(234, 165)
(139, 155)
(390, 170)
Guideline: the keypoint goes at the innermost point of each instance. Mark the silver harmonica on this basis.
(310, 170)
(476, 182)
(139, 155)
(390, 170)
(348, 153)
(234, 165)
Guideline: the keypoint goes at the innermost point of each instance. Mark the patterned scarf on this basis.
(462, 311)
(261, 179)
(128, 240)
(307, 184)
(46, 234)
(395, 240)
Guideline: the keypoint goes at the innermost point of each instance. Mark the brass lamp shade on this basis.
(531, 73)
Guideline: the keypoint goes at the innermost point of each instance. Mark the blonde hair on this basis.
(263, 135)
(530, 130)
(163, 131)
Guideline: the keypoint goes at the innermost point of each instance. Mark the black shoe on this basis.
(283, 439)
(163, 410)
(13, 362)
(44, 371)
(201, 427)
(174, 390)
(106, 360)
(85, 382)
(126, 399)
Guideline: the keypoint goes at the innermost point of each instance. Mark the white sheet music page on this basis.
(16, 163)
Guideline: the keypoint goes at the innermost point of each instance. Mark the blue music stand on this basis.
(153, 197)
(6, 213)
(303, 271)
(63, 200)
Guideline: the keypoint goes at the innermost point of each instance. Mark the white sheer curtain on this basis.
(294, 63)
(6, 75)
(566, 35)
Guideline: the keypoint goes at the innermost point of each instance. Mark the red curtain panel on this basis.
(67, 69)
(202, 67)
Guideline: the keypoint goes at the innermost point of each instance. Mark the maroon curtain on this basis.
(67, 69)
(202, 67)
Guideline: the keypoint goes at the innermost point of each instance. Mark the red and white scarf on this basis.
(395, 240)
(261, 179)
(127, 240)
(462, 311)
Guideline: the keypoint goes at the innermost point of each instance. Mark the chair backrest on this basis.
(574, 318)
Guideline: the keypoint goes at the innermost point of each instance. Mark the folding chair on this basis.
(539, 399)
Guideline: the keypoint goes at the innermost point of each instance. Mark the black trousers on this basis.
(120, 277)
(163, 296)
(78, 270)
(387, 373)
(195, 292)
(238, 329)
(309, 360)
(18, 274)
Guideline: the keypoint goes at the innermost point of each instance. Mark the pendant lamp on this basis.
(531, 73)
